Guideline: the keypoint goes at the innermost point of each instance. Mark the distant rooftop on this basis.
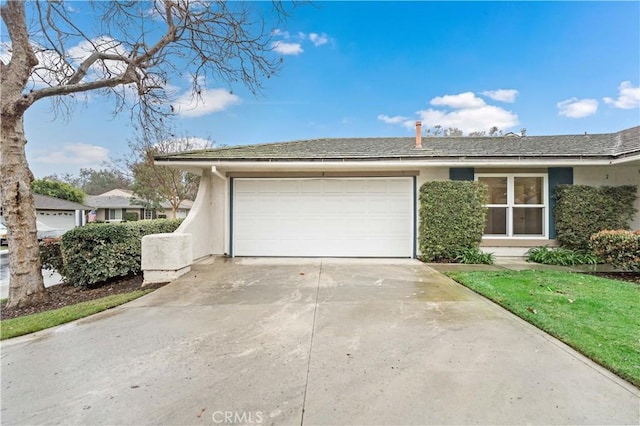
(124, 200)
(44, 202)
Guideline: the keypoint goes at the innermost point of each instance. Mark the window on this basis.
(114, 214)
(517, 205)
(149, 214)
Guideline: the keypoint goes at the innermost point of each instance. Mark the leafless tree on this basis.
(154, 184)
(137, 48)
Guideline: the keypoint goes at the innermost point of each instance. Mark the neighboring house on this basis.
(358, 197)
(113, 206)
(55, 216)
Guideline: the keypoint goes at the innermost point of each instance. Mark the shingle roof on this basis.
(184, 204)
(44, 202)
(604, 145)
(109, 201)
(122, 202)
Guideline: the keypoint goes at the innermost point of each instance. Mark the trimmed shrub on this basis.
(51, 255)
(620, 248)
(452, 218)
(560, 256)
(100, 252)
(583, 210)
(155, 226)
(131, 216)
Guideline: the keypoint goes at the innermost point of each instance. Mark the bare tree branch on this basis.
(140, 46)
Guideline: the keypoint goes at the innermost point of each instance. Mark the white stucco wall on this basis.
(206, 221)
(431, 173)
(610, 176)
(161, 264)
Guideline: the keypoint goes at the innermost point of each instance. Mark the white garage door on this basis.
(340, 217)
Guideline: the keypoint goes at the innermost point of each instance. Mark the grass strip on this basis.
(15, 327)
(598, 317)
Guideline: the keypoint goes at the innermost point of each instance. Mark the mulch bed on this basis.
(632, 277)
(67, 294)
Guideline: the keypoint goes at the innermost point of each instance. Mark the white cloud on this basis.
(467, 119)
(104, 44)
(464, 111)
(280, 33)
(287, 48)
(392, 120)
(577, 108)
(80, 154)
(628, 96)
(501, 95)
(209, 101)
(462, 100)
(51, 68)
(318, 39)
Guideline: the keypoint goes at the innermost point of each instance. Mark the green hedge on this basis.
(619, 248)
(100, 252)
(452, 218)
(131, 216)
(582, 211)
(51, 255)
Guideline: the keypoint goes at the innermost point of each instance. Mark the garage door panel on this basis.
(362, 217)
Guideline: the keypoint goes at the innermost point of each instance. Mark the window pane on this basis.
(496, 221)
(527, 221)
(115, 214)
(528, 190)
(497, 189)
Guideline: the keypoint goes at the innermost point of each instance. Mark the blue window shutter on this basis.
(461, 173)
(557, 176)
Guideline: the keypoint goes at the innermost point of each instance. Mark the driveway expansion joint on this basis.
(313, 329)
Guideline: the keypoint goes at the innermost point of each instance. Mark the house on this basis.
(55, 216)
(115, 205)
(358, 197)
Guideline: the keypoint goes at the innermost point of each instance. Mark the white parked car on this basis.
(3, 234)
(46, 231)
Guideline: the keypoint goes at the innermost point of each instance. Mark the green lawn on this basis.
(596, 316)
(30, 323)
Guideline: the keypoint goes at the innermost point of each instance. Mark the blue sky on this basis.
(373, 68)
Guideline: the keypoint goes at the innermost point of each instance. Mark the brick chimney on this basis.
(418, 134)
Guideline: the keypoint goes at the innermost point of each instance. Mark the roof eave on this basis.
(400, 162)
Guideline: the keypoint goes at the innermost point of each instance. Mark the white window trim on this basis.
(511, 204)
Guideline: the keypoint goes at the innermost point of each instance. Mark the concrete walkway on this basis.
(307, 341)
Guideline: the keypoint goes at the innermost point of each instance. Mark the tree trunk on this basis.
(26, 283)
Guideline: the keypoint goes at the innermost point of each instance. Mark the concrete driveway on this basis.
(307, 341)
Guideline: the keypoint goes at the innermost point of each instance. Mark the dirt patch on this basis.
(66, 294)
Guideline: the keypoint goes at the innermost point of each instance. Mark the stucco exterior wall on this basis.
(610, 176)
(203, 222)
(431, 173)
